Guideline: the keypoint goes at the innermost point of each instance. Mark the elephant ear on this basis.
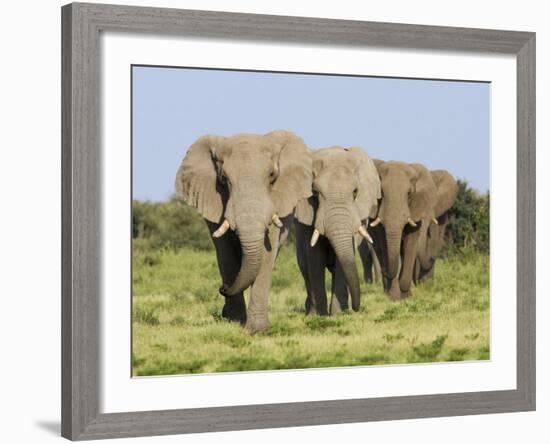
(197, 182)
(447, 191)
(368, 191)
(294, 177)
(424, 196)
(377, 163)
(306, 209)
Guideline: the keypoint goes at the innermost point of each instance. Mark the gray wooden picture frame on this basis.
(81, 172)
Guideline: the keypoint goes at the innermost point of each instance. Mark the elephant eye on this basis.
(272, 175)
(355, 192)
(223, 178)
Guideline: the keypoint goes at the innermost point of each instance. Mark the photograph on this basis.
(289, 220)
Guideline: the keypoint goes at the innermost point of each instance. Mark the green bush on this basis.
(173, 224)
(469, 221)
(170, 224)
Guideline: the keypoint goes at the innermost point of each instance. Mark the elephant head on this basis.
(408, 195)
(245, 183)
(447, 192)
(346, 189)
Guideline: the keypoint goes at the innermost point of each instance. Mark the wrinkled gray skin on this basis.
(346, 189)
(408, 198)
(432, 240)
(238, 184)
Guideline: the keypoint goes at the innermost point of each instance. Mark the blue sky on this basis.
(440, 124)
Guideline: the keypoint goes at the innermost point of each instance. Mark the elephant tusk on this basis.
(275, 219)
(314, 237)
(375, 222)
(434, 220)
(411, 222)
(365, 234)
(221, 230)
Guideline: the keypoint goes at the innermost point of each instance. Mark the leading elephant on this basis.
(432, 240)
(406, 209)
(331, 222)
(246, 187)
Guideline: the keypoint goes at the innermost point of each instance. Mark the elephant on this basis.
(372, 271)
(406, 209)
(246, 188)
(331, 222)
(432, 240)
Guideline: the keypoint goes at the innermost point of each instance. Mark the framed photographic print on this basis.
(278, 221)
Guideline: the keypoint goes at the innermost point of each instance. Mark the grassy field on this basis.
(177, 326)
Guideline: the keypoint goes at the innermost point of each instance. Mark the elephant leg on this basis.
(417, 273)
(410, 244)
(234, 308)
(228, 253)
(380, 254)
(366, 260)
(317, 261)
(394, 290)
(424, 260)
(257, 317)
(302, 240)
(340, 295)
(308, 306)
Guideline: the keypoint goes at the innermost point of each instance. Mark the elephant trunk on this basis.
(340, 235)
(393, 241)
(252, 252)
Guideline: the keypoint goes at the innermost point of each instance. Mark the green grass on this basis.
(177, 327)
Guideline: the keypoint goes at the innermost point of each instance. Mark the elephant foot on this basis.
(233, 315)
(257, 324)
(394, 291)
(234, 309)
(394, 294)
(406, 294)
(336, 307)
(308, 306)
(395, 297)
(314, 311)
(368, 278)
(311, 311)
